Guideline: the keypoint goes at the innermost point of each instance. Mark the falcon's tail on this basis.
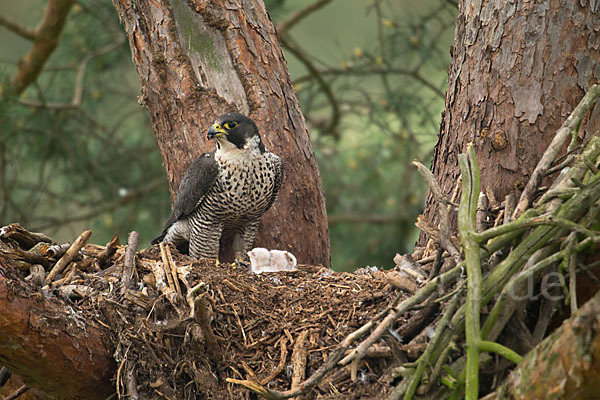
(158, 239)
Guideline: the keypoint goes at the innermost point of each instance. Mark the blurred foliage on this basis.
(66, 167)
(371, 92)
(385, 90)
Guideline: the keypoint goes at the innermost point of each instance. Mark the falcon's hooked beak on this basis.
(216, 131)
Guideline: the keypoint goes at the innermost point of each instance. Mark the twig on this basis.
(509, 207)
(572, 280)
(442, 210)
(24, 237)
(377, 70)
(169, 268)
(17, 393)
(299, 360)
(282, 360)
(104, 256)
(131, 382)
(25, 33)
(27, 256)
(557, 142)
(57, 250)
(395, 279)
(423, 293)
(68, 276)
(332, 126)
(533, 222)
(68, 256)
(159, 277)
(493, 347)
(437, 369)
(482, 212)
(129, 261)
(571, 210)
(437, 264)
(333, 359)
(424, 360)
(46, 40)
(284, 26)
(37, 276)
(201, 314)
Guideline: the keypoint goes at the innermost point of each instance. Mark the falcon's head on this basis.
(236, 129)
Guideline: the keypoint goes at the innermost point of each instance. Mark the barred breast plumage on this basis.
(230, 188)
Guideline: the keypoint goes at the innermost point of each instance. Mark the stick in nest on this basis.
(201, 314)
(169, 267)
(442, 210)
(282, 359)
(68, 256)
(299, 360)
(104, 256)
(129, 261)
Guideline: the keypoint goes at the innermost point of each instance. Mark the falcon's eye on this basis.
(230, 125)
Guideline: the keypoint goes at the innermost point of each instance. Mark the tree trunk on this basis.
(198, 59)
(49, 348)
(566, 365)
(518, 69)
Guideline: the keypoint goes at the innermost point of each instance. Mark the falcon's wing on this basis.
(198, 179)
(279, 172)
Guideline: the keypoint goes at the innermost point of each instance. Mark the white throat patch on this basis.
(229, 152)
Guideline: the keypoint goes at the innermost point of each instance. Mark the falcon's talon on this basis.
(239, 262)
(231, 187)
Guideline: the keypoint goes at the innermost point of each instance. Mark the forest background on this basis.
(77, 151)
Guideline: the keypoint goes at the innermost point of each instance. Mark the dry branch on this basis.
(104, 256)
(22, 236)
(17, 393)
(68, 256)
(299, 360)
(443, 211)
(46, 40)
(129, 261)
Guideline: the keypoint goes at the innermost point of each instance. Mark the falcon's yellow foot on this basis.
(218, 263)
(239, 262)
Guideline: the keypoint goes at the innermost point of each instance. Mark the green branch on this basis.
(424, 360)
(466, 228)
(493, 347)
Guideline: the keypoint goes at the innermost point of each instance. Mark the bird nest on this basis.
(181, 328)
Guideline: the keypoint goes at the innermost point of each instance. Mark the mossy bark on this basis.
(566, 365)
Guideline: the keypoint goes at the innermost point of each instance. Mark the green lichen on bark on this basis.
(192, 36)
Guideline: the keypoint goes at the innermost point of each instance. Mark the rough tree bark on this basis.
(197, 59)
(51, 348)
(518, 69)
(566, 365)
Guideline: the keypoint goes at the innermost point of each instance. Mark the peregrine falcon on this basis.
(227, 189)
